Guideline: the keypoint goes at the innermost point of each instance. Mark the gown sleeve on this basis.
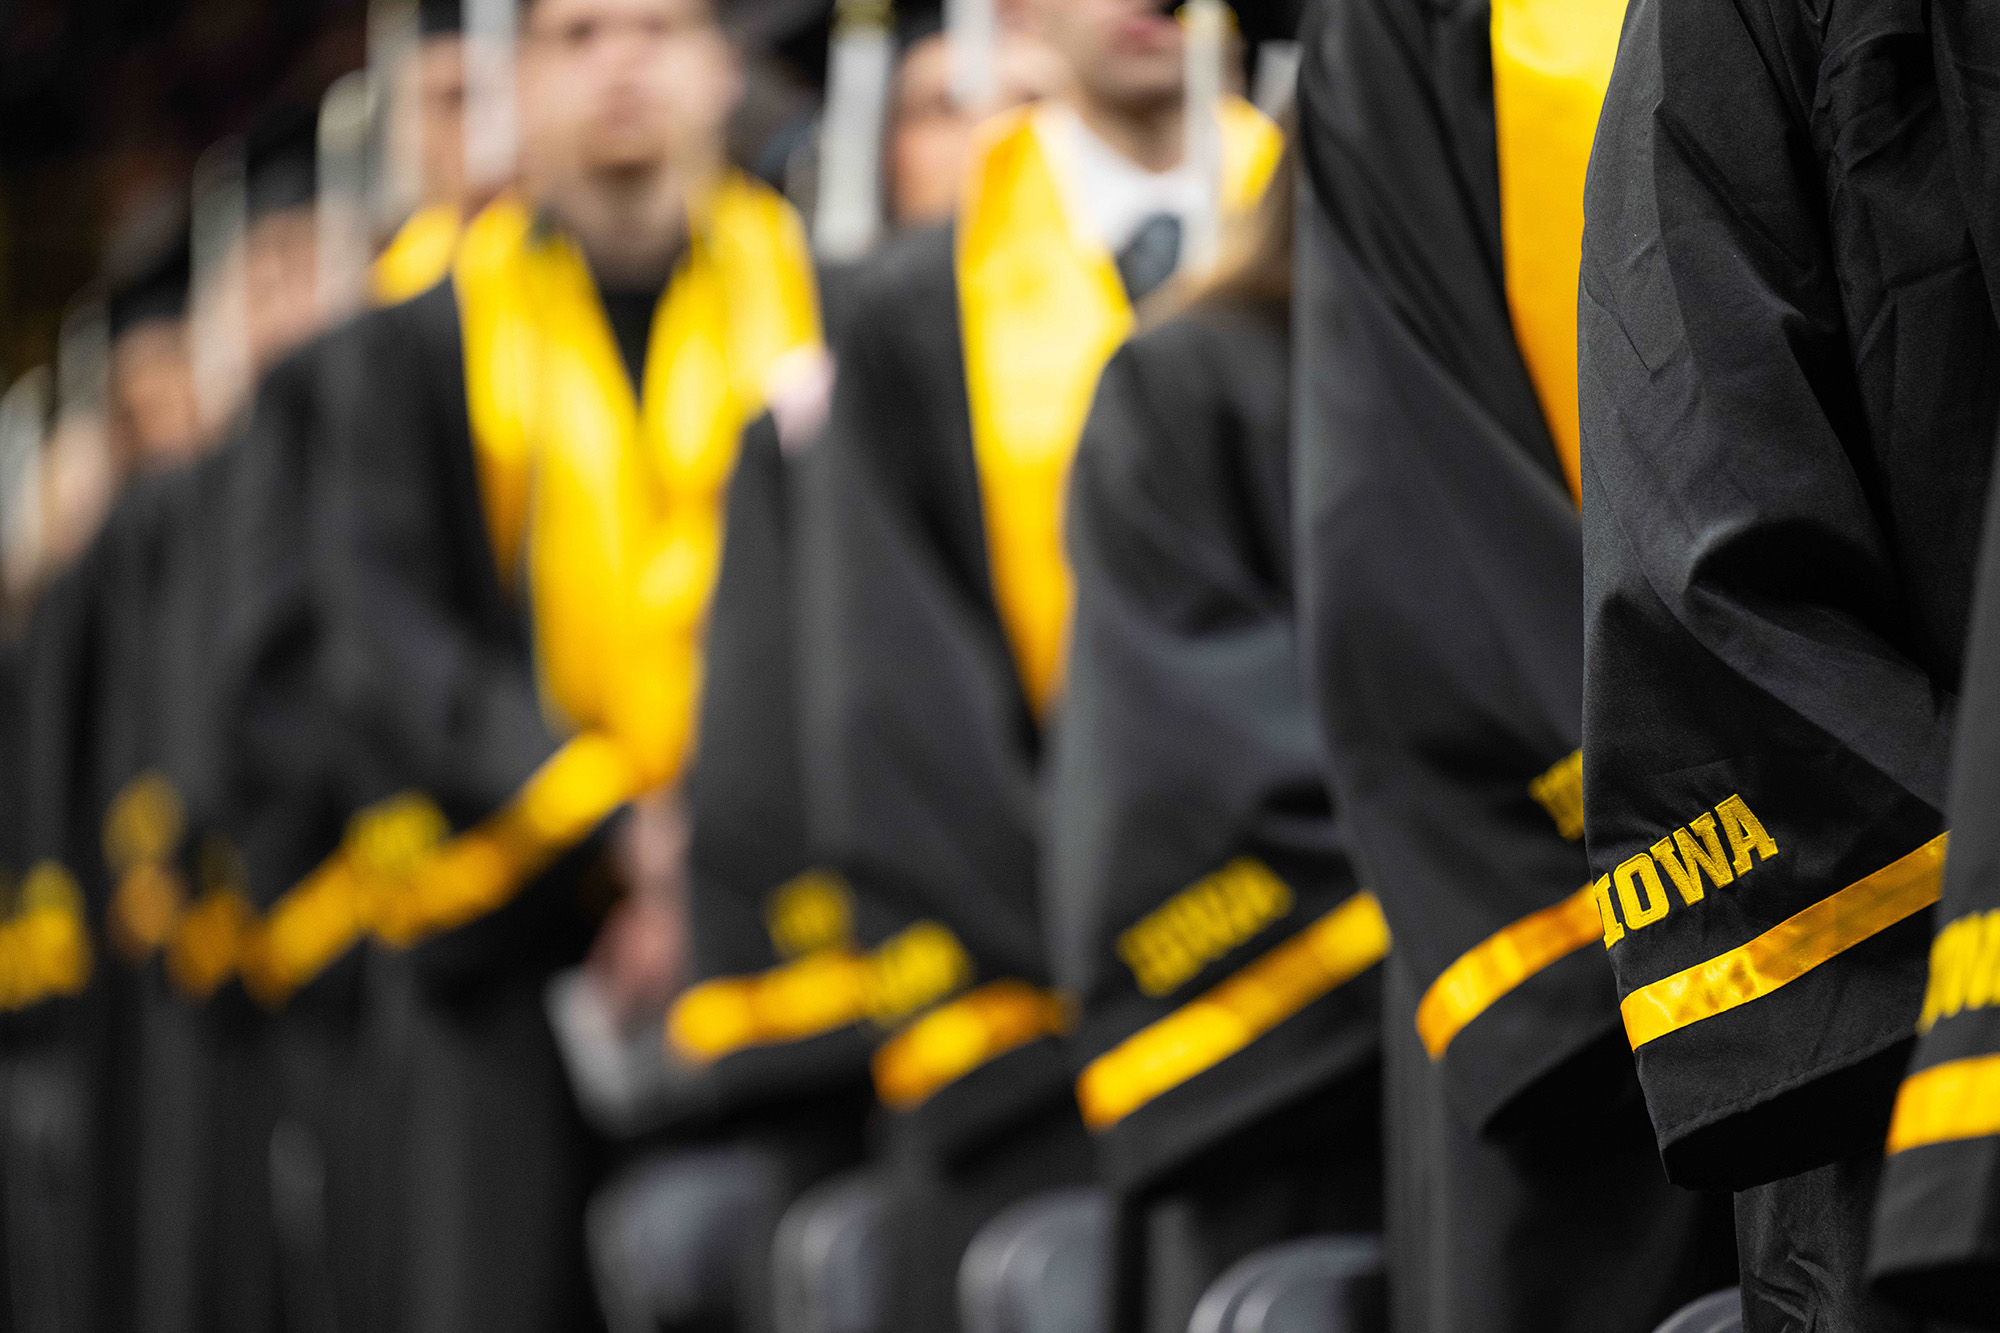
(1782, 422)
(486, 830)
(922, 754)
(1936, 1243)
(1172, 880)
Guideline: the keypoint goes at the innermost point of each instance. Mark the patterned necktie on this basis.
(1150, 257)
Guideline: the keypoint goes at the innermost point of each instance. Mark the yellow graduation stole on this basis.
(1551, 65)
(611, 505)
(1041, 309)
(418, 257)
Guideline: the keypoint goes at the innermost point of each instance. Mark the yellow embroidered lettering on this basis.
(1217, 913)
(1707, 853)
(1640, 913)
(1601, 891)
(1982, 980)
(1685, 867)
(810, 912)
(1965, 969)
(1744, 832)
(1560, 791)
(1686, 855)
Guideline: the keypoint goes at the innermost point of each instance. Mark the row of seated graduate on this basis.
(1189, 741)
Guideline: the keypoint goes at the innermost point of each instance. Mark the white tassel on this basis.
(218, 313)
(491, 131)
(346, 121)
(848, 216)
(972, 34)
(1204, 49)
(396, 175)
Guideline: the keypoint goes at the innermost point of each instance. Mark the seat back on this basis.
(1039, 1267)
(829, 1263)
(1319, 1284)
(669, 1234)
(1717, 1312)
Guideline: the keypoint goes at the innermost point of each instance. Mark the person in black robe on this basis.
(209, 1251)
(453, 749)
(1936, 1244)
(1193, 851)
(1787, 321)
(69, 1031)
(1439, 585)
(932, 652)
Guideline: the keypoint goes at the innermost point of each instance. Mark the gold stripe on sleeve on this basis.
(822, 992)
(399, 875)
(477, 871)
(1199, 1035)
(1956, 1100)
(1790, 949)
(1484, 974)
(954, 1039)
(45, 944)
(305, 932)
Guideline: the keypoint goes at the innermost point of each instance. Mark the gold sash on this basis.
(419, 256)
(1551, 64)
(44, 941)
(1041, 309)
(612, 506)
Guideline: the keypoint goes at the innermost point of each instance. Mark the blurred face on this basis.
(439, 75)
(152, 386)
(623, 87)
(281, 284)
(1123, 53)
(930, 133)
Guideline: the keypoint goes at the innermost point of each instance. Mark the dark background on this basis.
(104, 105)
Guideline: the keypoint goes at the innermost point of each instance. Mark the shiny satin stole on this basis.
(610, 504)
(1041, 309)
(1551, 65)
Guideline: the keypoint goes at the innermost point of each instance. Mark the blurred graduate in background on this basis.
(937, 596)
(1439, 585)
(1177, 887)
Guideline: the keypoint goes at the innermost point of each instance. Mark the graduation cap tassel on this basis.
(848, 216)
(218, 318)
(972, 32)
(24, 418)
(491, 134)
(396, 172)
(346, 118)
(1204, 49)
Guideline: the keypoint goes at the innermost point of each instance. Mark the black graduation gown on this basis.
(289, 781)
(426, 659)
(1439, 585)
(215, 1092)
(1936, 1242)
(922, 753)
(746, 796)
(1788, 408)
(69, 1074)
(13, 846)
(1184, 744)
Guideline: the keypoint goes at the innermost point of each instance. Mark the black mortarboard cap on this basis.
(156, 290)
(280, 154)
(916, 20)
(438, 17)
(146, 270)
